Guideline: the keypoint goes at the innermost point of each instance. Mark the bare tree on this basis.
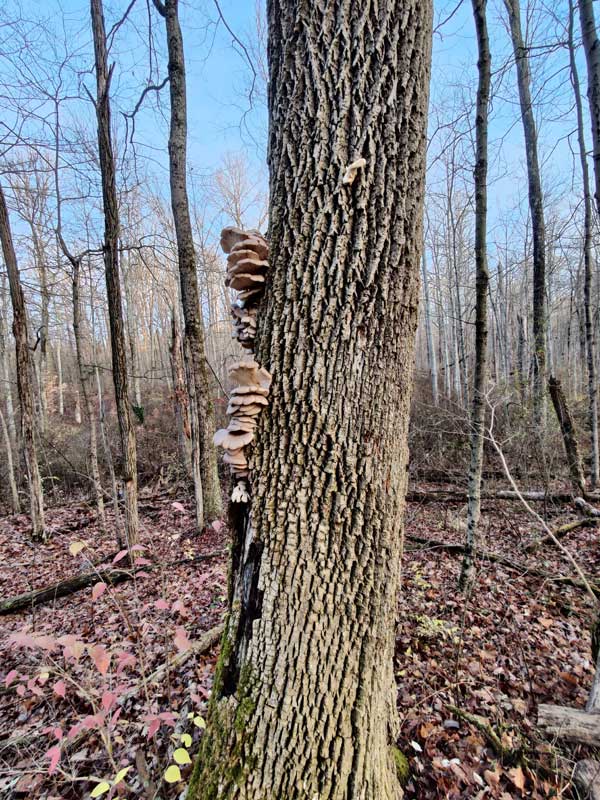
(111, 267)
(34, 481)
(204, 464)
(484, 66)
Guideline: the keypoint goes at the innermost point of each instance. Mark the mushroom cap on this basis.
(240, 254)
(252, 389)
(235, 458)
(231, 236)
(249, 373)
(253, 266)
(244, 280)
(248, 411)
(240, 472)
(232, 440)
(245, 424)
(256, 243)
(250, 296)
(248, 399)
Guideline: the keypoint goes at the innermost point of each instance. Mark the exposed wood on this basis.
(587, 778)
(572, 724)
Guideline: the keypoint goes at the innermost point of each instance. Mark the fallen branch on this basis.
(507, 562)
(586, 507)
(205, 643)
(587, 778)
(72, 585)
(453, 495)
(485, 728)
(560, 533)
(570, 723)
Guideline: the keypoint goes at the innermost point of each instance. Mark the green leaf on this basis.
(199, 722)
(100, 788)
(182, 756)
(121, 774)
(186, 740)
(172, 774)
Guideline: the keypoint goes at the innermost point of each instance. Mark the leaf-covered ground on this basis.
(87, 705)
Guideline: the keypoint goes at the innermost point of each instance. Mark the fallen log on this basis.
(560, 533)
(571, 724)
(496, 558)
(454, 495)
(587, 508)
(71, 585)
(587, 778)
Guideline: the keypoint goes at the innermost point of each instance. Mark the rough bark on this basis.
(569, 435)
(587, 778)
(570, 723)
(180, 397)
(10, 469)
(588, 262)
(304, 700)
(24, 370)
(5, 367)
(111, 267)
(591, 46)
(481, 290)
(536, 208)
(190, 297)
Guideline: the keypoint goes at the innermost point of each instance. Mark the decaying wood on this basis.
(72, 585)
(587, 778)
(457, 496)
(586, 508)
(561, 532)
(572, 724)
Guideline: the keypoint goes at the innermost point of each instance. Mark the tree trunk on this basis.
(5, 369)
(202, 433)
(569, 435)
(591, 45)
(111, 266)
(588, 261)
(431, 354)
(304, 700)
(34, 480)
(537, 211)
(10, 469)
(180, 397)
(481, 291)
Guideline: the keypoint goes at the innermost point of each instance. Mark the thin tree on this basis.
(536, 207)
(24, 388)
(204, 463)
(111, 268)
(303, 701)
(484, 66)
(588, 260)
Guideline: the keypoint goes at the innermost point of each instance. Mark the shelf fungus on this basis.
(247, 267)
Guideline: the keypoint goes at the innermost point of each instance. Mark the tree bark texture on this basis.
(481, 289)
(111, 267)
(569, 435)
(536, 207)
(24, 375)
(591, 46)
(203, 432)
(304, 700)
(588, 264)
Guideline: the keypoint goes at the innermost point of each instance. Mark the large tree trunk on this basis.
(304, 700)
(202, 432)
(592, 49)
(34, 481)
(111, 267)
(482, 282)
(536, 207)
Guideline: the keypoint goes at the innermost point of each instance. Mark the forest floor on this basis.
(88, 707)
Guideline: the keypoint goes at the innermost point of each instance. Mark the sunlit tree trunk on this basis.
(540, 322)
(24, 370)
(588, 262)
(204, 461)
(481, 290)
(111, 267)
(304, 701)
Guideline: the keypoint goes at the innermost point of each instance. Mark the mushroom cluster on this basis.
(247, 253)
